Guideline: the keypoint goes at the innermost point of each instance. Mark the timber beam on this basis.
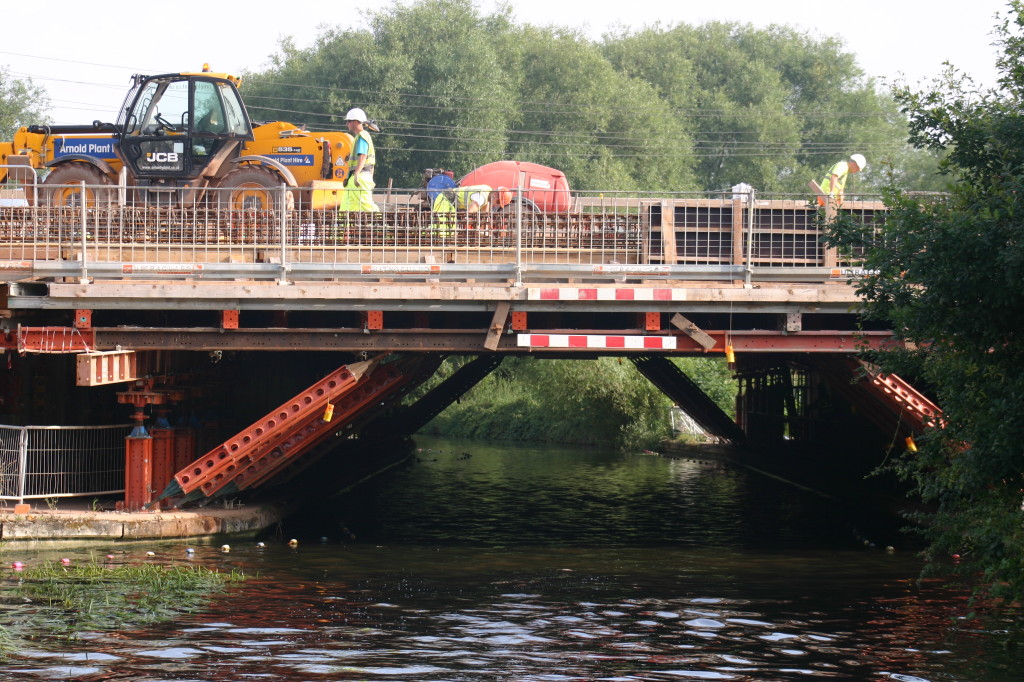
(666, 297)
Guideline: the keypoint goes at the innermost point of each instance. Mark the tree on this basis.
(22, 102)
(677, 109)
(948, 277)
(606, 129)
(771, 107)
(434, 72)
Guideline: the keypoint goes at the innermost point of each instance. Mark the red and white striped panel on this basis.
(595, 341)
(605, 294)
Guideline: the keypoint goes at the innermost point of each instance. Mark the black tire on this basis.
(510, 209)
(250, 188)
(63, 186)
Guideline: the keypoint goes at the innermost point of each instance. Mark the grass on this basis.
(52, 599)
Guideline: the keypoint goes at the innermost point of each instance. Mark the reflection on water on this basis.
(503, 563)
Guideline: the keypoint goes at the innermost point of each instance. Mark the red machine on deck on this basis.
(544, 189)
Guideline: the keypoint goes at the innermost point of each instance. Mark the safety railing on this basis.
(20, 186)
(100, 233)
(40, 462)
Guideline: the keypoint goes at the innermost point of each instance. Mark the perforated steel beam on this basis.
(231, 456)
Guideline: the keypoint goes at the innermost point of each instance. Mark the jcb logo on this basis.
(162, 157)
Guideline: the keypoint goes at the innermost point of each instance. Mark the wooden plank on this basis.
(670, 254)
(102, 368)
(816, 188)
(501, 313)
(705, 340)
(739, 224)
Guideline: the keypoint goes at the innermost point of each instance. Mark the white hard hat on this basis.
(859, 160)
(358, 114)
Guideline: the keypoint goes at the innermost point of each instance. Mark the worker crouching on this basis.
(833, 186)
(471, 199)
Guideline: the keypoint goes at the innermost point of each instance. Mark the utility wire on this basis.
(564, 140)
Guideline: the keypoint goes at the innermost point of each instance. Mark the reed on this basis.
(54, 599)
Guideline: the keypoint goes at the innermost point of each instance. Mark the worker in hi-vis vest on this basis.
(834, 184)
(471, 199)
(358, 193)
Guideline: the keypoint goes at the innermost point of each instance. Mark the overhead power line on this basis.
(692, 142)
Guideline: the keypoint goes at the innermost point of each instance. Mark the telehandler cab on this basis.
(177, 137)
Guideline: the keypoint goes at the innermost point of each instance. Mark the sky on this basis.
(84, 57)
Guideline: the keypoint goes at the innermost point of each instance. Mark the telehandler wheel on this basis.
(63, 186)
(250, 188)
(528, 207)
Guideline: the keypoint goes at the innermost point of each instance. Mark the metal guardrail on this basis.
(39, 462)
(603, 236)
(21, 185)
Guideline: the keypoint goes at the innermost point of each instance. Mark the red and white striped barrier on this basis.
(605, 294)
(595, 341)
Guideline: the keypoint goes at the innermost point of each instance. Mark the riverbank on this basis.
(71, 525)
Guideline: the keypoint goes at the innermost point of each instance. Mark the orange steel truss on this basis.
(915, 406)
(263, 449)
(383, 382)
(227, 460)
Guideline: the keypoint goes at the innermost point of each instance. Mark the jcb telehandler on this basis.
(177, 137)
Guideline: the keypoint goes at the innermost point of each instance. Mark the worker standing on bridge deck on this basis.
(358, 194)
(471, 199)
(834, 184)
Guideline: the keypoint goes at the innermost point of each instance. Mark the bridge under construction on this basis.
(335, 318)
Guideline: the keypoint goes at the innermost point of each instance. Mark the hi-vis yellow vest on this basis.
(841, 170)
(371, 157)
(458, 197)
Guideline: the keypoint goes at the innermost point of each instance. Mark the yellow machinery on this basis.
(177, 137)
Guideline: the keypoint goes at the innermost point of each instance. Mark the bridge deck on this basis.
(725, 260)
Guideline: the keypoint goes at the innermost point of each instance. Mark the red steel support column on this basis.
(138, 472)
(162, 468)
(184, 448)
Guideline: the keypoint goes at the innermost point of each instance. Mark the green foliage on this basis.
(22, 103)
(678, 108)
(714, 378)
(432, 70)
(602, 127)
(599, 402)
(66, 600)
(771, 107)
(949, 279)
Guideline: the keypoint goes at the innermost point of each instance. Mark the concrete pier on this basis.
(46, 526)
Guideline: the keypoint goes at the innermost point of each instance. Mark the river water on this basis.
(496, 562)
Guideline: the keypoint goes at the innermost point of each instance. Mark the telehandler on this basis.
(177, 137)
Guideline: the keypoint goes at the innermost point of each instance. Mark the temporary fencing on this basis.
(602, 235)
(61, 461)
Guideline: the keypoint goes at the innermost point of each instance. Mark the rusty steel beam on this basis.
(470, 341)
(51, 340)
